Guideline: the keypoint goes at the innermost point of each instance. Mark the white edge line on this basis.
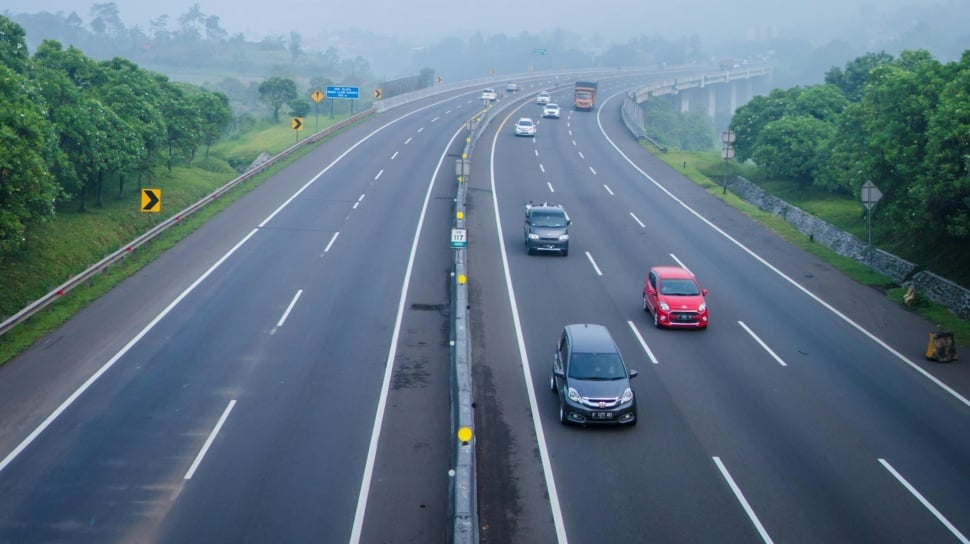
(946, 523)
(209, 441)
(744, 502)
(800, 287)
(389, 364)
(643, 344)
(763, 345)
(526, 367)
(289, 308)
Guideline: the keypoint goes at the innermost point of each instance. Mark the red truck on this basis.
(584, 97)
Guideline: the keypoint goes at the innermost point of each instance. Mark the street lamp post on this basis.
(727, 153)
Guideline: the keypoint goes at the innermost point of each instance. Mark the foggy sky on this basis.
(613, 21)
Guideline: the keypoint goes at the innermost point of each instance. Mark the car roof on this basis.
(529, 119)
(590, 338)
(671, 272)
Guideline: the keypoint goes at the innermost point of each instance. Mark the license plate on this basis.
(602, 415)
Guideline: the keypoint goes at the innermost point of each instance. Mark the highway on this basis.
(804, 413)
(282, 374)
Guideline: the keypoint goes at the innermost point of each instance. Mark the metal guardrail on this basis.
(175, 219)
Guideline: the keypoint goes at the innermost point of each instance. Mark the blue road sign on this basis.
(337, 91)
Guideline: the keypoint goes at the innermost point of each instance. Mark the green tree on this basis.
(28, 189)
(13, 46)
(946, 165)
(276, 91)
(182, 121)
(216, 115)
(853, 79)
(300, 107)
(788, 148)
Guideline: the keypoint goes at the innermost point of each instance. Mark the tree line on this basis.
(71, 125)
(901, 122)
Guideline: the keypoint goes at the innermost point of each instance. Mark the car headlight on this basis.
(627, 395)
(664, 306)
(573, 395)
(533, 236)
(702, 307)
(564, 237)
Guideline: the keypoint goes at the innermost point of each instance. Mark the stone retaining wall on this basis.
(939, 290)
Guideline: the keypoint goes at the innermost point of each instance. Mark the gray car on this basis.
(546, 228)
(591, 379)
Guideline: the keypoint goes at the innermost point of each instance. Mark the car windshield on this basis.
(548, 220)
(525, 123)
(679, 287)
(596, 366)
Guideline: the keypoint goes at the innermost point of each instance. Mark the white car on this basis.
(512, 87)
(543, 98)
(489, 95)
(525, 127)
(551, 111)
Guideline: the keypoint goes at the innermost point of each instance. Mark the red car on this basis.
(674, 298)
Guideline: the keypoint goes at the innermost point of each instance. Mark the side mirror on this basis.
(558, 372)
(569, 222)
(704, 292)
(634, 374)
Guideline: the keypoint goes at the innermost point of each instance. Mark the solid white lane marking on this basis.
(637, 219)
(643, 343)
(608, 190)
(744, 502)
(210, 440)
(763, 345)
(926, 504)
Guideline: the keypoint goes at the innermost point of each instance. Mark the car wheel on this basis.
(565, 253)
(531, 251)
(562, 414)
(645, 307)
(656, 319)
(635, 419)
(552, 384)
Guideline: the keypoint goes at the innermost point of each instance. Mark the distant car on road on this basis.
(512, 87)
(525, 127)
(673, 297)
(489, 95)
(543, 98)
(551, 111)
